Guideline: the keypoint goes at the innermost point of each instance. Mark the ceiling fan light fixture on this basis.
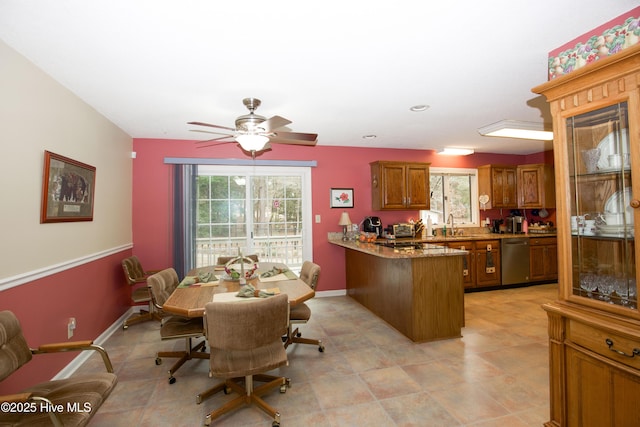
(252, 142)
(517, 129)
(452, 151)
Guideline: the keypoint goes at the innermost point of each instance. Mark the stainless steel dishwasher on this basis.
(515, 260)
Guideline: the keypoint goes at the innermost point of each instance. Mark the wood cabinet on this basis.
(468, 262)
(499, 183)
(594, 327)
(399, 185)
(536, 186)
(543, 260)
(481, 265)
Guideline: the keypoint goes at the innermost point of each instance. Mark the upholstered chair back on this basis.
(162, 285)
(133, 270)
(246, 325)
(309, 274)
(14, 350)
(222, 260)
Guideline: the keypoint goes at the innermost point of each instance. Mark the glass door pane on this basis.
(602, 221)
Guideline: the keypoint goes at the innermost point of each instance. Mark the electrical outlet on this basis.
(71, 325)
(317, 219)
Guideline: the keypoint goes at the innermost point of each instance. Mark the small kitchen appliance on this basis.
(403, 230)
(514, 224)
(372, 224)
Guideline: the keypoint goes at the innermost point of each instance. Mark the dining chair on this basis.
(301, 313)
(161, 285)
(222, 260)
(136, 275)
(38, 405)
(245, 342)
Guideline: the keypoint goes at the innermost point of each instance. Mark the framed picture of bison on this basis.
(67, 189)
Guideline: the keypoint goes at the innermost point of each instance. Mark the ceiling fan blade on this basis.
(210, 125)
(274, 122)
(310, 137)
(293, 141)
(213, 143)
(210, 132)
(216, 139)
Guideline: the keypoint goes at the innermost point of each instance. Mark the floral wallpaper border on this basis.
(624, 32)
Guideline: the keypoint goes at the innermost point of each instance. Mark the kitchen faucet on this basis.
(453, 232)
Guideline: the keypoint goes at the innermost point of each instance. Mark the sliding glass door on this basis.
(259, 210)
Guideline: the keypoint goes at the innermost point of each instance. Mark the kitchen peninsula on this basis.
(418, 291)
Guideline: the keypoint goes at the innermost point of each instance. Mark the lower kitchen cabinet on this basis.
(543, 258)
(482, 264)
(468, 267)
(488, 266)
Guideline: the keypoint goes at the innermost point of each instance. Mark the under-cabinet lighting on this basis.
(517, 129)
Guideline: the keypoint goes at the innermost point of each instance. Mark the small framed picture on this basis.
(342, 197)
(67, 189)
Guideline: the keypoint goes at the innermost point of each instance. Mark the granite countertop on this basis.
(428, 250)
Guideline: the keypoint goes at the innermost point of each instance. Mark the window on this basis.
(453, 191)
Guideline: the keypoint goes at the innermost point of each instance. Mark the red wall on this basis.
(94, 293)
(337, 167)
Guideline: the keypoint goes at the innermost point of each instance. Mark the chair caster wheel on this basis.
(158, 361)
(226, 390)
(299, 334)
(125, 327)
(321, 348)
(172, 380)
(275, 424)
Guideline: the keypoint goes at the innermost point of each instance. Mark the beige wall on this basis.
(38, 114)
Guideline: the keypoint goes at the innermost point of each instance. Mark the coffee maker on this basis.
(372, 224)
(514, 224)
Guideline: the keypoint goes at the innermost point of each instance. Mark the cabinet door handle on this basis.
(635, 203)
(635, 352)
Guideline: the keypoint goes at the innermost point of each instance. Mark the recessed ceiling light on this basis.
(419, 107)
(517, 129)
(456, 151)
(369, 136)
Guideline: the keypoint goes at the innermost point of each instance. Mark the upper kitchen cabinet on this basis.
(594, 327)
(536, 186)
(399, 185)
(499, 183)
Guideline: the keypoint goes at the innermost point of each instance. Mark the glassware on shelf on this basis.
(590, 159)
(588, 283)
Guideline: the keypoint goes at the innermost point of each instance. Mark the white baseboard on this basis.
(336, 293)
(68, 370)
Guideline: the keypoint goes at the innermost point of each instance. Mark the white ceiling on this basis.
(342, 69)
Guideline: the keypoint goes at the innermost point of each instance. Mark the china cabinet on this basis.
(499, 183)
(399, 185)
(594, 326)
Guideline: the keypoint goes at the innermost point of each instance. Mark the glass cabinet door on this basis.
(602, 220)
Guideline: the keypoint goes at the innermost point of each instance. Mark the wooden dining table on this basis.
(189, 301)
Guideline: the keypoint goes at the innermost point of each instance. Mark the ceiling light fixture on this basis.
(419, 107)
(252, 142)
(456, 151)
(517, 129)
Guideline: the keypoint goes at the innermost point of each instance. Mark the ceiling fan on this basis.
(254, 133)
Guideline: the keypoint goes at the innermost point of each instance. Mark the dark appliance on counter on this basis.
(496, 225)
(514, 224)
(372, 224)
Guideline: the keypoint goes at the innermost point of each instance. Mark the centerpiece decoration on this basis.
(240, 268)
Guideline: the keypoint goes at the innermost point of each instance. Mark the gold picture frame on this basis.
(67, 189)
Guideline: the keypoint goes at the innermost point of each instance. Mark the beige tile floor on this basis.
(369, 375)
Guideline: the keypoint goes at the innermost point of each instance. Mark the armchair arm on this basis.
(18, 397)
(75, 346)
